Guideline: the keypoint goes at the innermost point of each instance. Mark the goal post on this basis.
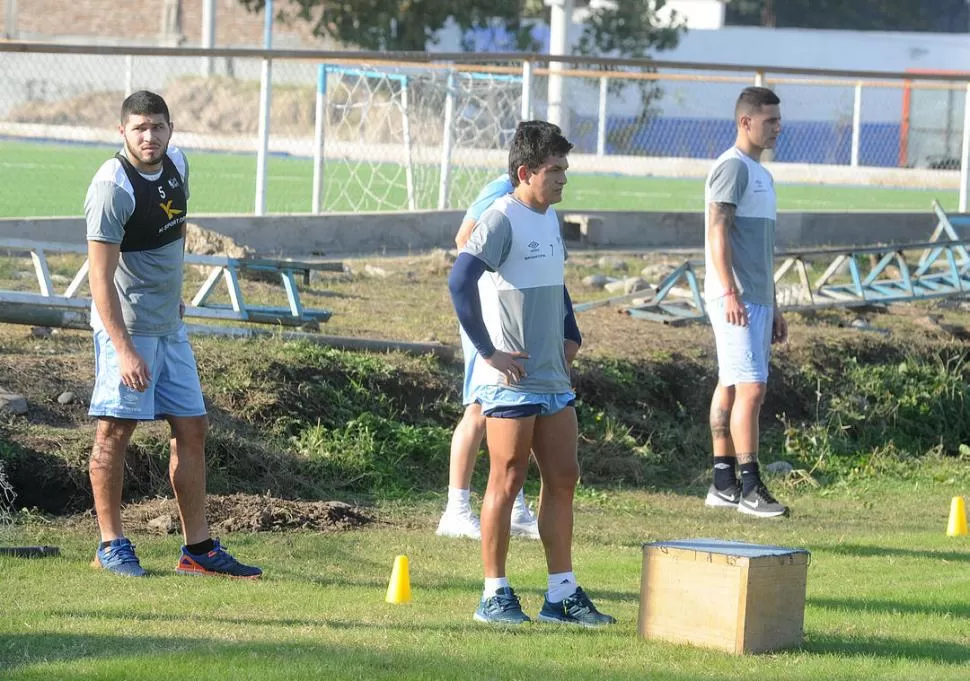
(409, 138)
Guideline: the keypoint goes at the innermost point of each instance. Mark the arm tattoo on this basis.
(722, 213)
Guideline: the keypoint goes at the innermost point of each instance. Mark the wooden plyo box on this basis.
(738, 597)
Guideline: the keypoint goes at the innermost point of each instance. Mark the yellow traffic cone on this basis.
(399, 588)
(957, 527)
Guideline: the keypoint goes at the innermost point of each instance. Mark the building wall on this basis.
(140, 22)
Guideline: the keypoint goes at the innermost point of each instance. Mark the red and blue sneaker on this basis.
(217, 562)
(119, 557)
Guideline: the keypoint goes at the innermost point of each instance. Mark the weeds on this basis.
(302, 421)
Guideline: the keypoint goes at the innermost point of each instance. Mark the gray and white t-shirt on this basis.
(741, 181)
(149, 281)
(522, 296)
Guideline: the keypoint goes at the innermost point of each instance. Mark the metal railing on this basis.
(641, 116)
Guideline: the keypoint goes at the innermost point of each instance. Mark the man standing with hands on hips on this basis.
(509, 294)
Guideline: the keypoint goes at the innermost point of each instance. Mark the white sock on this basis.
(520, 504)
(458, 500)
(493, 584)
(562, 585)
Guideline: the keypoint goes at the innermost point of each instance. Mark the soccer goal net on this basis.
(409, 139)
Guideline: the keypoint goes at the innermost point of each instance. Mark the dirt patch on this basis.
(43, 377)
(249, 513)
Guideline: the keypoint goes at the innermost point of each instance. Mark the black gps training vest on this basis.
(160, 205)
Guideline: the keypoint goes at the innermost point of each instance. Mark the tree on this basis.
(624, 28)
(859, 15)
(631, 28)
(395, 25)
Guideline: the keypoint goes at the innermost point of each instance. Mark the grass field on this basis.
(888, 598)
(40, 179)
(887, 595)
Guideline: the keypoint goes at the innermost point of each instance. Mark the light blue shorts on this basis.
(742, 351)
(174, 390)
(499, 402)
(468, 353)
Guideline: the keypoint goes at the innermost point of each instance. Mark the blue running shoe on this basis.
(119, 557)
(577, 609)
(502, 608)
(218, 562)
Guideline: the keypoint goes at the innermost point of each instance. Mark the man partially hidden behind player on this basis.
(458, 519)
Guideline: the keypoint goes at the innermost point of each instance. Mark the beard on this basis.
(144, 157)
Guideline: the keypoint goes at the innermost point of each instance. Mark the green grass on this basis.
(887, 598)
(40, 179)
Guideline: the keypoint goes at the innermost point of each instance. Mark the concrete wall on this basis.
(395, 233)
(629, 230)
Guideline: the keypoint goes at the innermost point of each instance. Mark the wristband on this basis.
(731, 292)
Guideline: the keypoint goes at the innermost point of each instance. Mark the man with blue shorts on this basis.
(458, 519)
(135, 211)
(508, 290)
(740, 296)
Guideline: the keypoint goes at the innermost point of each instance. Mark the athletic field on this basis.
(46, 179)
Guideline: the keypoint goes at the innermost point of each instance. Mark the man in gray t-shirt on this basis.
(508, 290)
(740, 294)
(135, 211)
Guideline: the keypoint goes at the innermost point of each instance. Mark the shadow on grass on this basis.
(928, 650)
(944, 609)
(864, 551)
(248, 620)
(120, 656)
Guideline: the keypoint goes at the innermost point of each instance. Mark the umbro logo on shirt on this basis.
(533, 245)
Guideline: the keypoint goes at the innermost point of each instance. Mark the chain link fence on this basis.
(351, 135)
(7, 508)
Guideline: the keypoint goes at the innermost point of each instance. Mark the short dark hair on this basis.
(752, 99)
(144, 103)
(532, 144)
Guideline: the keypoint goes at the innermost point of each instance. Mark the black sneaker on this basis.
(723, 498)
(577, 609)
(759, 502)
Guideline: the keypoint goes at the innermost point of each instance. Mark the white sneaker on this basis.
(524, 524)
(459, 524)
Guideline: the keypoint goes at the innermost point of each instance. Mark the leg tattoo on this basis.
(747, 457)
(720, 424)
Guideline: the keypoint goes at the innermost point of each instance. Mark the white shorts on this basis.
(742, 351)
(469, 353)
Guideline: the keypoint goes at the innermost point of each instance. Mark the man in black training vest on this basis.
(144, 367)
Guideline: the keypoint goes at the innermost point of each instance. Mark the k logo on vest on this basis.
(169, 211)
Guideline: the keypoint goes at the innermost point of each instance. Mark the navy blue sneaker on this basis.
(119, 557)
(218, 562)
(502, 608)
(577, 609)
